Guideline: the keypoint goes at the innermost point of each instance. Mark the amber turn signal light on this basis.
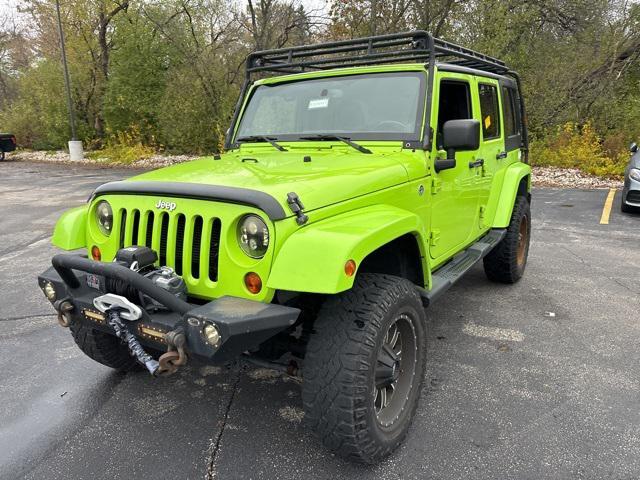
(350, 268)
(95, 253)
(253, 282)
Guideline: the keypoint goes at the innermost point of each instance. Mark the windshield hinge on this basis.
(297, 207)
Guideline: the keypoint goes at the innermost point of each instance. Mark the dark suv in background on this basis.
(7, 144)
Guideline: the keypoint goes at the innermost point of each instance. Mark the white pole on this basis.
(75, 146)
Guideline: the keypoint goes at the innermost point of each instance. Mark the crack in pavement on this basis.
(26, 317)
(584, 262)
(17, 249)
(215, 445)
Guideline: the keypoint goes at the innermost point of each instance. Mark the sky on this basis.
(9, 6)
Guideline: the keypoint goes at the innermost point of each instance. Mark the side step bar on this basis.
(451, 272)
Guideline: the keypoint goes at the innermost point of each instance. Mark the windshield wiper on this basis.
(346, 140)
(261, 138)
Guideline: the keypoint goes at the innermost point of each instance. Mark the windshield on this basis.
(382, 106)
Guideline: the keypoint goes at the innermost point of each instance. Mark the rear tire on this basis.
(507, 261)
(103, 348)
(364, 366)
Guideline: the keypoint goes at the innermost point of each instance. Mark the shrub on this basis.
(125, 147)
(579, 146)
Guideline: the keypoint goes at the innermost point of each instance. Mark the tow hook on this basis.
(175, 356)
(64, 308)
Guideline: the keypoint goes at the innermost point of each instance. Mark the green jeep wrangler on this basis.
(360, 181)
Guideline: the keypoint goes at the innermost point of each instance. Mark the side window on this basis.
(511, 126)
(454, 104)
(489, 111)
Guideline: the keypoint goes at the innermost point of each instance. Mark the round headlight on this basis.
(634, 174)
(104, 217)
(253, 236)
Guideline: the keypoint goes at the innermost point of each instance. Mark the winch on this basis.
(141, 259)
(123, 303)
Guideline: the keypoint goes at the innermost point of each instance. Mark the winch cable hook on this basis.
(135, 349)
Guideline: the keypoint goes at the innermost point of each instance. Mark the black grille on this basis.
(149, 234)
(214, 249)
(123, 224)
(179, 243)
(135, 228)
(173, 236)
(164, 237)
(633, 196)
(195, 247)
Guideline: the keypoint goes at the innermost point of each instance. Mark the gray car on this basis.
(631, 190)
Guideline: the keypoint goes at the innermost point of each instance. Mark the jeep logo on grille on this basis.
(162, 205)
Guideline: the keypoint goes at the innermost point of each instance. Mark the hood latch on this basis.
(296, 206)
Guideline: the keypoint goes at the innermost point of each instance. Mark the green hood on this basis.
(328, 178)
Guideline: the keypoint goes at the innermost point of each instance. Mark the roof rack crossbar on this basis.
(444, 46)
(332, 45)
(348, 61)
(294, 53)
(478, 66)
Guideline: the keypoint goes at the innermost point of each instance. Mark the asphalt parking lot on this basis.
(536, 380)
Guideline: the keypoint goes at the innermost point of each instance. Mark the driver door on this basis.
(455, 196)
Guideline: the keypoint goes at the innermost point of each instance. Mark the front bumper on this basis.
(631, 192)
(243, 324)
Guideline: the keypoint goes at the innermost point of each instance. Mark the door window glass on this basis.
(510, 119)
(489, 111)
(454, 104)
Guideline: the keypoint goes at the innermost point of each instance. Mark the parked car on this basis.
(631, 192)
(7, 144)
(360, 182)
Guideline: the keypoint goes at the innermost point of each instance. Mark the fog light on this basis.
(95, 253)
(253, 282)
(49, 291)
(211, 334)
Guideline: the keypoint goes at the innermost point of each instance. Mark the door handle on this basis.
(501, 156)
(478, 163)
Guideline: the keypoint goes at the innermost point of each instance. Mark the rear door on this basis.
(491, 156)
(512, 122)
(454, 192)
(501, 141)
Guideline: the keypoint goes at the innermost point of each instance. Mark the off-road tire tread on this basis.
(337, 362)
(501, 265)
(103, 348)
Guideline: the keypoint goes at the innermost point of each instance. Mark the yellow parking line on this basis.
(606, 210)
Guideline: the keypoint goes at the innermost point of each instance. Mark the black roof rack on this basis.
(418, 46)
(406, 47)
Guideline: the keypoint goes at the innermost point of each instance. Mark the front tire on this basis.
(103, 348)
(507, 261)
(364, 366)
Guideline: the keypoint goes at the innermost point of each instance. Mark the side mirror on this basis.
(633, 148)
(458, 136)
